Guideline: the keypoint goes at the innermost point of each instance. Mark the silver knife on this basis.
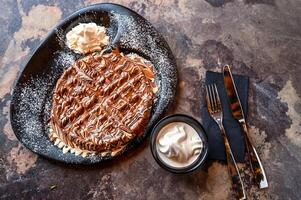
(238, 114)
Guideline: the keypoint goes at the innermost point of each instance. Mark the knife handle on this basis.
(254, 160)
(237, 183)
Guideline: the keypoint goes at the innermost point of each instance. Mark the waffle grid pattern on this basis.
(103, 101)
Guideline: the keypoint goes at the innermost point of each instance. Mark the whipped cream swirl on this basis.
(179, 144)
(87, 37)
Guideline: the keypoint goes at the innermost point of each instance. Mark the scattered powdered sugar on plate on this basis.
(33, 113)
(64, 59)
(32, 98)
(139, 36)
(31, 110)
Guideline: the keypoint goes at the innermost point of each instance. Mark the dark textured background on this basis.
(259, 38)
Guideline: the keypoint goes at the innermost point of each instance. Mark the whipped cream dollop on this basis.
(178, 144)
(87, 37)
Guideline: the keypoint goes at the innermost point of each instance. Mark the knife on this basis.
(238, 114)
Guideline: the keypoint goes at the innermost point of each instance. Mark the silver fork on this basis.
(216, 112)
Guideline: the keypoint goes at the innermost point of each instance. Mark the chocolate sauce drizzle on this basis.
(103, 101)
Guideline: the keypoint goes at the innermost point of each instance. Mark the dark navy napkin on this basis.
(232, 127)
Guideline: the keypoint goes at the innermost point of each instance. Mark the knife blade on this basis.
(238, 114)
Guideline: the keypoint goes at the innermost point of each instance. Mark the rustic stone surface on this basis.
(260, 38)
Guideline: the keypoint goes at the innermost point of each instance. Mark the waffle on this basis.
(101, 103)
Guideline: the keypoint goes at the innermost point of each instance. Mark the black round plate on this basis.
(32, 94)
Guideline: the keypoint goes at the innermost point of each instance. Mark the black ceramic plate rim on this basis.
(190, 121)
(94, 7)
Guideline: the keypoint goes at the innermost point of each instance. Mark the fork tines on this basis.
(212, 97)
(215, 110)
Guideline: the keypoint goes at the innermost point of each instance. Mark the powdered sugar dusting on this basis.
(32, 99)
(31, 111)
(64, 59)
(138, 35)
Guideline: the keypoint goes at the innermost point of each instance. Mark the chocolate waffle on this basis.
(101, 103)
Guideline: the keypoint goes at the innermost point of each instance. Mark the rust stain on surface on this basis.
(218, 183)
(289, 95)
(196, 63)
(22, 158)
(183, 5)
(7, 80)
(255, 193)
(7, 130)
(14, 53)
(32, 28)
(259, 138)
(122, 2)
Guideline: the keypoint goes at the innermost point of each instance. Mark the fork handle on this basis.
(254, 160)
(237, 183)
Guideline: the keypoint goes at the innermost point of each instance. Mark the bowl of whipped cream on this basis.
(179, 143)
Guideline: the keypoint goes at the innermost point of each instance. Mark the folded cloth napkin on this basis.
(232, 127)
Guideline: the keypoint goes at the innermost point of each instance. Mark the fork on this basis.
(216, 112)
